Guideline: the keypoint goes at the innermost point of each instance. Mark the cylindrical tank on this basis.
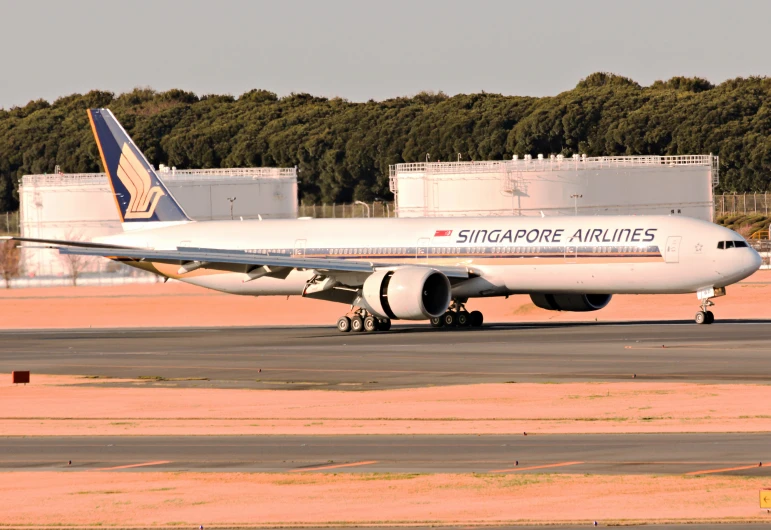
(558, 186)
(81, 206)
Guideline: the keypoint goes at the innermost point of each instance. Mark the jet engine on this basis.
(571, 302)
(408, 293)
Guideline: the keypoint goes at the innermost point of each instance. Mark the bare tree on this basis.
(74, 263)
(10, 261)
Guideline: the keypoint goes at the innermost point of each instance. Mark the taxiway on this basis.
(690, 454)
(408, 356)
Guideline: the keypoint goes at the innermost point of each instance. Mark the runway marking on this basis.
(144, 464)
(708, 471)
(534, 467)
(333, 466)
(696, 347)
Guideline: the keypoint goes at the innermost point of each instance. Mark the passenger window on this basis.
(729, 244)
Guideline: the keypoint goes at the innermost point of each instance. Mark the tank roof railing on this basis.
(244, 172)
(240, 173)
(555, 163)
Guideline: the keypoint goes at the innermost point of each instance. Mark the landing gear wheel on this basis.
(371, 324)
(384, 324)
(344, 324)
(705, 316)
(476, 319)
(449, 319)
(437, 322)
(357, 324)
(463, 319)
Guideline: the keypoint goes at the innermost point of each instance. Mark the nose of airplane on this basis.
(755, 261)
(740, 264)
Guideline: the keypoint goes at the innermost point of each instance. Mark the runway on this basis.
(408, 356)
(730, 454)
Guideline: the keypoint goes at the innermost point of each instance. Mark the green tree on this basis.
(343, 149)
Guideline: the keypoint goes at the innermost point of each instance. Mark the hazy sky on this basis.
(363, 50)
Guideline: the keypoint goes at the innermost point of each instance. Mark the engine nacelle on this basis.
(571, 302)
(409, 293)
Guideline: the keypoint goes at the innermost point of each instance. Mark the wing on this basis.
(241, 261)
(253, 264)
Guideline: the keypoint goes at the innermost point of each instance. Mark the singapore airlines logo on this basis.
(135, 178)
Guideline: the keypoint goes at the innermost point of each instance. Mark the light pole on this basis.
(232, 200)
(365, 205)
(575, 198)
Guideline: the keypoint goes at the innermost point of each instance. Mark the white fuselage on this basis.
(587, 255)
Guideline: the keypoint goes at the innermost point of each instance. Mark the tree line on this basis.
(343, 149)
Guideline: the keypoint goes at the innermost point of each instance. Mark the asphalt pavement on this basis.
(408, 356)
(692, 454)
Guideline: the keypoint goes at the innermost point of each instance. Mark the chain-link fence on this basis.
(86, 280)
(726, 204)
(357, 209)
(88, 272)
(743, 204)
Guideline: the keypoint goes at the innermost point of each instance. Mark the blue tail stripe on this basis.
(140, 194)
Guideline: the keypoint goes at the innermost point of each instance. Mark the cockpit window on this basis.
(732, 244)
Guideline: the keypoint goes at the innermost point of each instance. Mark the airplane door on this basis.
(672, 251)
(299, 248)
(421, 250)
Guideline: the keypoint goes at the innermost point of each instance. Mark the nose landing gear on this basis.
(457, 316)
(705, 316)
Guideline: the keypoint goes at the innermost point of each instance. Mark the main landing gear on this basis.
(361, 320)
(457, 316)
(705, 316)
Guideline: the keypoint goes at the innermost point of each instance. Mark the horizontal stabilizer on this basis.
(58, 243)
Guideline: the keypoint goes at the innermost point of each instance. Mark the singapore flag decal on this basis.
(443, 233)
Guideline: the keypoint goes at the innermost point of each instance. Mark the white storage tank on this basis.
(81, 206)
(642, 185)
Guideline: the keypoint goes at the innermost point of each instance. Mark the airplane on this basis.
(409, 268)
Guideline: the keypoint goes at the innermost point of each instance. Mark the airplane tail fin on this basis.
(140, 194)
